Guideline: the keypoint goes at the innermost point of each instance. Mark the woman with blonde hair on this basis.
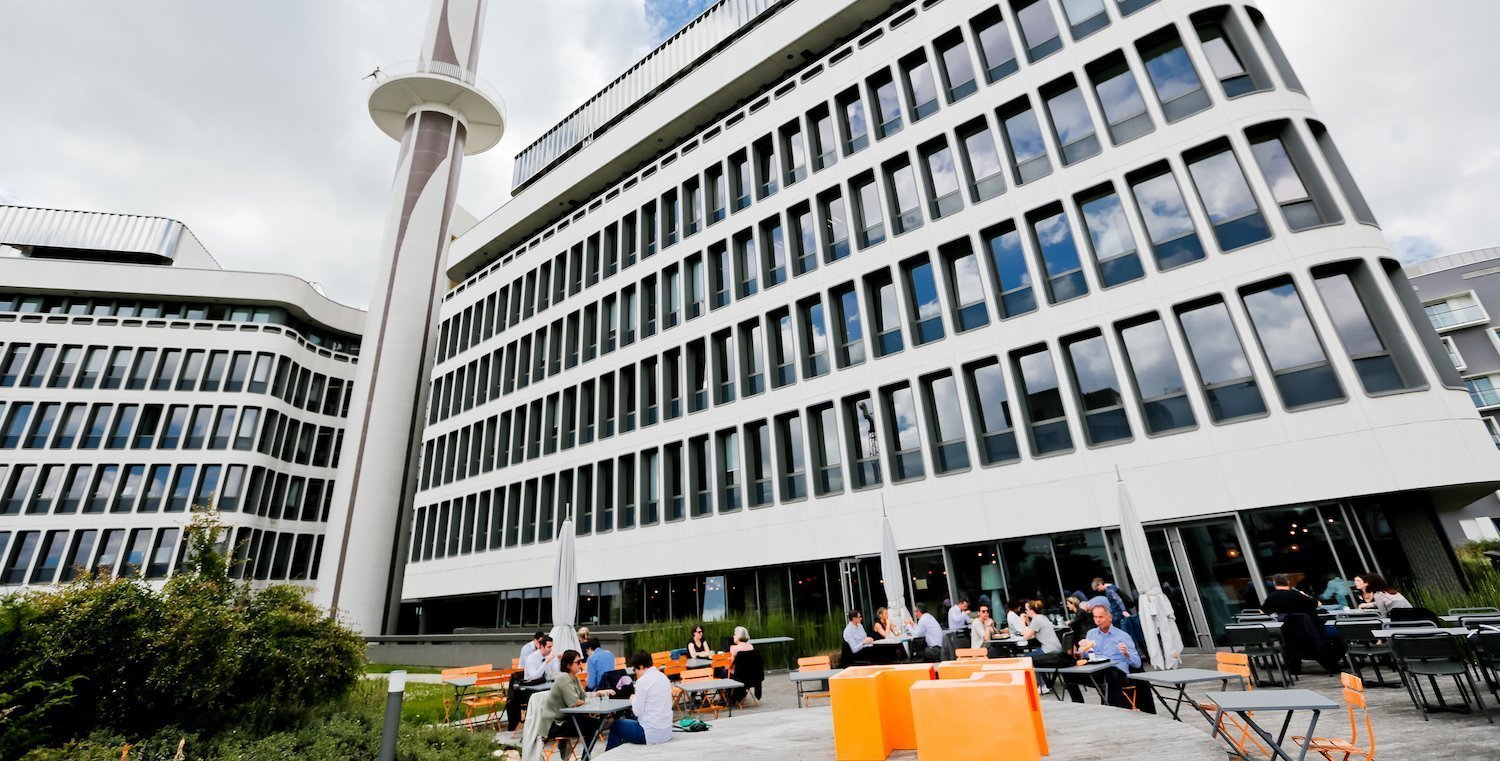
(883, 624)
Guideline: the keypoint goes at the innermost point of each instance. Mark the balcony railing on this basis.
(1448, 317)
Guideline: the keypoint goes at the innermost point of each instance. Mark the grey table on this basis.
(786, 651)
(1290, 701)
(694, 689)
(699, 663)
(800, 678)
(460, 685)
(601, 707)
(1092, 670)
(888, 650)
(1012, 645)
(1159, 681)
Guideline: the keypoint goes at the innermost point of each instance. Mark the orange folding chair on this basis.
(1335, 749)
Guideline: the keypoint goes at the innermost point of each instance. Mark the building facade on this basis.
(1458, 293)
(962, 261)
(138, 379)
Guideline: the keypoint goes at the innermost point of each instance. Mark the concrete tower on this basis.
(440, 111)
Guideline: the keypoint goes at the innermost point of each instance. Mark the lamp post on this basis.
(395, 691)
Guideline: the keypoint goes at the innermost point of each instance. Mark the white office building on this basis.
(963, 259)
(139, 379)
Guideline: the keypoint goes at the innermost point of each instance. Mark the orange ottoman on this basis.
(944, 712)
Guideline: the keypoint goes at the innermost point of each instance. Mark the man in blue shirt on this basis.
(600, 662)
(1106, 640)
(926, 637)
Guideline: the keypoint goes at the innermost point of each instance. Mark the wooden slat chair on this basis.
(815, 663)
(722, 661)
(487, 699)
(559, 745)
(619, 663)
(688, 675)
(1335, 749)
(966, 653)
(448, 705)
(1230, 727)
(515, 663)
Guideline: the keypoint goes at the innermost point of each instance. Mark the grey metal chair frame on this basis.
(1264, 646)
(1432, 656)
(1359, 643)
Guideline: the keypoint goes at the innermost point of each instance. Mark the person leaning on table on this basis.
(930, 636)
(547, 720)
(651, 705)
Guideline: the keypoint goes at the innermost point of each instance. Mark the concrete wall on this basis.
(472, 646)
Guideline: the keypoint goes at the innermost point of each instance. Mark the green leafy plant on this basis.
(814, 635)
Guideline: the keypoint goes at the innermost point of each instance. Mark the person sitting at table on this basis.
(1038, 629)
(530, 647)
(535, 671)
(651, 705)
(584, 635)
(1107, 641)
(1083, 614)
(1014, 621)
(927, 637)
(698, 647)
(1283, 599)
(741, 640)
(982, 628)
(958, 615)
(856, 639)
(883, 628)
(600, 662)
(548, 721)
(1381, 595)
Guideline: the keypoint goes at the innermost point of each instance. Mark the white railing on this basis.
(439, 69)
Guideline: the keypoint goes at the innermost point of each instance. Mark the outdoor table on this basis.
(1456, 631)
(1180, 679)
(1460, 619)
(892, 650)
(1246, 703)
(1012, 645)
(699, 663)
(601, 707)
(1092, 670)
(786, 651)
(800, 678)
(694, 688)
(461, 685)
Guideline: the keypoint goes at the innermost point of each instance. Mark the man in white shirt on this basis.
(651, 704)
(534, 670)
(958, 615)
(926, 637)
(530, 647)
(855, 636)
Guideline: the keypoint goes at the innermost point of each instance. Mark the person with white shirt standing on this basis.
(651, 704)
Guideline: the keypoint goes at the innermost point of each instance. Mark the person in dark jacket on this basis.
(1283, 599)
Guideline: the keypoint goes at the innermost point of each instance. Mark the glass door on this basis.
(1214, 574)
(1160, 541)
(856, 589)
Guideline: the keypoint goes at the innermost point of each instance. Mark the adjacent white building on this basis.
(139, 379)
(964, 259)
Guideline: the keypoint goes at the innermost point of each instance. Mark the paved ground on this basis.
(1400, 732)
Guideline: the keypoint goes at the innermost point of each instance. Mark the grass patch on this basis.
(386, 668)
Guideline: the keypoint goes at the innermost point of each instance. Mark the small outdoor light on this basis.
(395, 690)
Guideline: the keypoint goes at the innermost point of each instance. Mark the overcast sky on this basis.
(246, 120)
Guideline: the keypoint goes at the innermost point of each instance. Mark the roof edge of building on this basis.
(1452, 261)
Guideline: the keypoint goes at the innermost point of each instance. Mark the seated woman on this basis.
(883, 628)
(741, 640)
(548, 720)
(698, 646)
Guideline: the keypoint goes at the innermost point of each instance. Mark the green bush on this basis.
(814, 636)
(1483, 582)
(202, 656)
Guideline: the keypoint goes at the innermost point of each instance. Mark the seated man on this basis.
(1284, 599)
(651, 705)
(1106, 640)
(856, 638)
(600, 662)
(926, 637)
(982, 628)
(535, 670)
(958, 615)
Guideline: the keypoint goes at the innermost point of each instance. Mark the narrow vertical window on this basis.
(827, 462)
(1045, 415)
(1292, 348)
(717, 191)
(1097, 387)
(792, 457)
(1274, 48)
(957, 66)
(766, 167)
(863, 440)
(1341, 174)
(921, 87)
(1071, 123)
(853, 122)
(804, 239)
(922, 299)
(989, 405)
(1119, 98)
(724, 374)
(1219, 358)
(1164, 214)
(887, 104)
(1053, 237)
(793, 153)
(1154, 373)
(942, 179)
(752, 357)
(814, 337)
(982, 162)
(899, 407)
(1224, 50)
(965, 286)
(1084, 17)
(740, 182)
(1363, 339)
(1012, 273)
(906, 201)
(885, 313)
(697, 378)
(997, 52)
(758, 461)
(851, 329)
(1023, 137)
(825, 142)
(1295, 185)
(1038, 28)
(720, 275)
(867, 205)
(746, 265)
(1176, 82)
(730, 472)
(1109, 236)
(1226, 197)
(773, 251)
(835, 222)
(945, 423)
(783, 348)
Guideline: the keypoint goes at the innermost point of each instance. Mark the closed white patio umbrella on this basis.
(565, 591)
(890, 569)
(1158, 619)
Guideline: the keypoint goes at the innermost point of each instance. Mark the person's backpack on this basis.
(691, 724)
